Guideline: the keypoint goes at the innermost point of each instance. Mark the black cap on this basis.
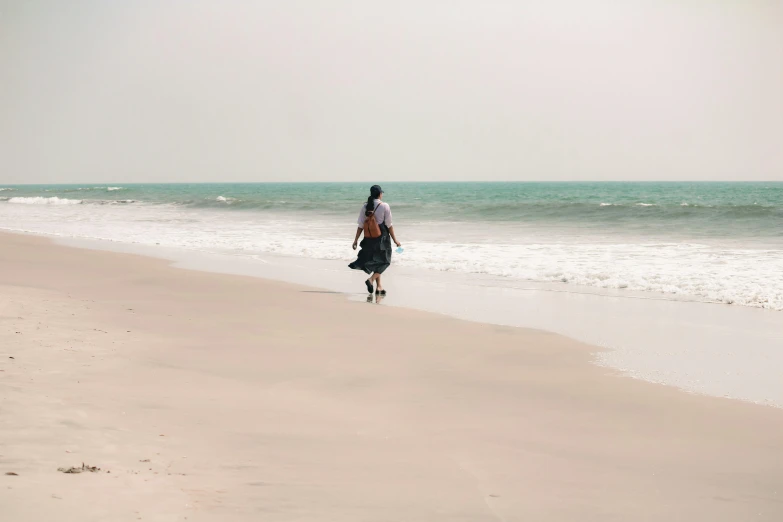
(376, 191)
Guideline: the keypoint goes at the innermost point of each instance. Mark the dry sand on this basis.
(224, 398)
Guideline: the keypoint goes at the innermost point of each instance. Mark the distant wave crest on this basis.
(54, 200)
(39, 200)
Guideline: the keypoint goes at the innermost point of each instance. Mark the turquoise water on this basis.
(716, 242)
(734, 210)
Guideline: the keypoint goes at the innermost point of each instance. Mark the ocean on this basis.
(712, 242)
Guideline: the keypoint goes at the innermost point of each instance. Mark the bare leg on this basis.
(369, 282)
(378, 281)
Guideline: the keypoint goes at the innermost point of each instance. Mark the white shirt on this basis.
(382, 214)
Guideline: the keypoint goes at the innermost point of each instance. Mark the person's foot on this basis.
(380, 291)
(369, 286)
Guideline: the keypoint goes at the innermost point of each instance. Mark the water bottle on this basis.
(400, 250)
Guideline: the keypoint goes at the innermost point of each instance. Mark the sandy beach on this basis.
(206, 396)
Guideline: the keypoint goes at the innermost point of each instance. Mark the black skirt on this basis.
(375, 254)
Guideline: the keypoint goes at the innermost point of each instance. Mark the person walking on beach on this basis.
(375, 222)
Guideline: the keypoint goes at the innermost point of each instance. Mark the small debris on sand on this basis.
(12, 474)
(83, 469)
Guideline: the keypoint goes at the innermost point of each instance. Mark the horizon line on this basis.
(377, 181)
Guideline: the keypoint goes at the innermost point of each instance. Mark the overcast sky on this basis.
(296, 90)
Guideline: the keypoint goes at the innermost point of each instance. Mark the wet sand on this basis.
(217, 397)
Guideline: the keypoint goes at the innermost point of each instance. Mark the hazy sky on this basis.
(232, 90)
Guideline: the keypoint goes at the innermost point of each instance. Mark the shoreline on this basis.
(222, 397)
(683, 343)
